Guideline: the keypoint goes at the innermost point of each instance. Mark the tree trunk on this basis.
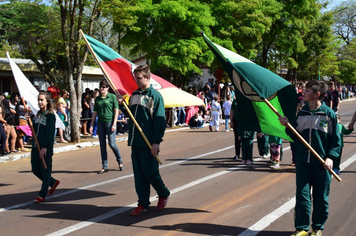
(72, 15)
(295, 74)
(74, 111)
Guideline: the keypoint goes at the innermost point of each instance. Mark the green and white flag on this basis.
(253, 84)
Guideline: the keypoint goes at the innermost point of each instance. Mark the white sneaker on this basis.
(275, 165)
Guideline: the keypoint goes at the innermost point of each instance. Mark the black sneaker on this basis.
(121, 166)
(105, 169)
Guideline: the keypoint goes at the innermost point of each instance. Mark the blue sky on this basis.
(333, 3)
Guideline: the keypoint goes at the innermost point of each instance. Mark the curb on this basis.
(348, 100)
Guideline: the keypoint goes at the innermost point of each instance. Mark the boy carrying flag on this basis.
(318, 125)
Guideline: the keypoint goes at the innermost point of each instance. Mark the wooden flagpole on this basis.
(302, 140)
(117, 93)
(34, 136)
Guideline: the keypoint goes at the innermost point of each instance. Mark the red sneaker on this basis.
(162, 202)
(51, 191)
(138, 210)
(40, 199)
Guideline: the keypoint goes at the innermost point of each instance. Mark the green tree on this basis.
(167, 33)
(75, 15)
(284, 42)
(118, 16)
(345, 29)
(50, 33)
(345, 20)
(243, 23)
(33, 28)
(320, 57)
(12, 49)
(347, 63)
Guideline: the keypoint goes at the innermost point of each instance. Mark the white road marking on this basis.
(285, 208)
(112, 213)
(251, 231)
(112, 180)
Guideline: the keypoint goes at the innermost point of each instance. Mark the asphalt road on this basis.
(212, 194)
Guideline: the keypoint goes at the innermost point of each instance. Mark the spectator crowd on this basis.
(217, 98)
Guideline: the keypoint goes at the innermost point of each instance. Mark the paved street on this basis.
(211, 194)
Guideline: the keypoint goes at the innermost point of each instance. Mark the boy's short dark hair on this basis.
(104, 83)
(144, 69)
(318, 86)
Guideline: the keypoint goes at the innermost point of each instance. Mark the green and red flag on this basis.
(120, 71)
(253, 84)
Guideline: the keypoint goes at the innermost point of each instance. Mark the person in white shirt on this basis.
(215, 114)
(227, 108)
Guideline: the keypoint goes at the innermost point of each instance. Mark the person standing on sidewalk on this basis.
(336, 98)
(44, 127)
(53, 89)
(107, 110)
(147, 107)
(227, 109)
(215, 114)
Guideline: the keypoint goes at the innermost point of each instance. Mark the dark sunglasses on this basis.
(103, 86)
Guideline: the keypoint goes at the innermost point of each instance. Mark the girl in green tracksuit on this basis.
(44, 127)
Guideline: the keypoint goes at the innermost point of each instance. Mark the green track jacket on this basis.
(147, 107)
(44, 126)
(320, 129)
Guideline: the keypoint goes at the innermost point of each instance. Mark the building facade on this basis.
(91, 76)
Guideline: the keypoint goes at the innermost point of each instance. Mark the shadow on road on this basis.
(117, 215)
(9, 200)
(3, 185)
(211, 229)
(228, 162)
(64, 171)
